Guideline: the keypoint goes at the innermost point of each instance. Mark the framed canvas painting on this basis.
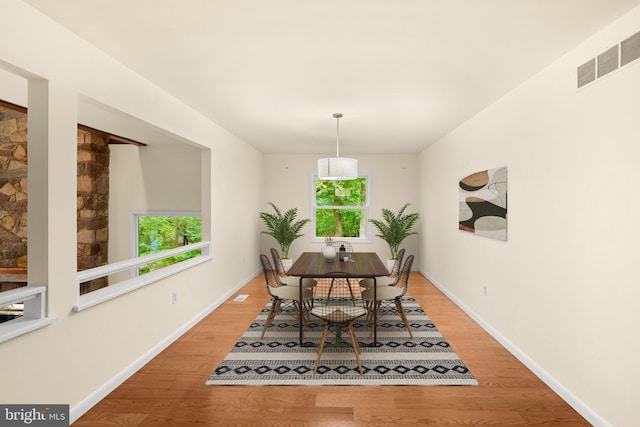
(483, 203)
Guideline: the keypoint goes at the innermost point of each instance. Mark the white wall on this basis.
(125, 194)
(151, 178)
(564, 288)
(287, 180)
(81, 356)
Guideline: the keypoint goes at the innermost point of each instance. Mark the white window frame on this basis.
(366, 208)
(135, 281)
(133, 238)
(112, 291)
(34, 315)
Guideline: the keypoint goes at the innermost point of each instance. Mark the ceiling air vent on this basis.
(630, 49)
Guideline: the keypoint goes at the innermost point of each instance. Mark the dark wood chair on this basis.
(283, 294)
(342, 281)
(389, 280)
(391, 294)
(284, 278)
(338, 313)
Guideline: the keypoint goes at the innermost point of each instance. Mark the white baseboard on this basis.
(577, 404)
(80, 409)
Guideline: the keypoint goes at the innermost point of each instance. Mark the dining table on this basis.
(360, 265)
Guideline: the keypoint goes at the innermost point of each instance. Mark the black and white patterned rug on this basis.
(278, 359)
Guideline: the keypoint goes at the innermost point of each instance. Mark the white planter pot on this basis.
(287, 263)
(390, 263)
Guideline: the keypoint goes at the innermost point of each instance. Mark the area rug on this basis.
(278, 359)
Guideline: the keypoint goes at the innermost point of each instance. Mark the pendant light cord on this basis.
(337, 117)
(337, 137)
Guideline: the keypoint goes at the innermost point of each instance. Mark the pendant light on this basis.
(337, 168)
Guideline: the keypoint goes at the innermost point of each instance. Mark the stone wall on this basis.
(92, 198)
(13, 193)
(93, 205)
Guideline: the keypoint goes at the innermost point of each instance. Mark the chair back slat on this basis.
(396, 265)
(338, 306)
(269, 273)
(347, 246)
(277, 262)
(403, 280)
(339, 311)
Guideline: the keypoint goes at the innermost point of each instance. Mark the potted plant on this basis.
(284, 228)
(394, 228)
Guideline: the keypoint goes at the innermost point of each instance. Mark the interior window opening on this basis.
(157, 232)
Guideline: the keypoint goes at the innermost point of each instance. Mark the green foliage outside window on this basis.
(340, 208)
(159, 233)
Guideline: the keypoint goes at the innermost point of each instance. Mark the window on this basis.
(158, 231)
(30, 301)
(11, 311)
(341, 208)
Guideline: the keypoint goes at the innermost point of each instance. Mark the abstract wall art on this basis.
(483, 203)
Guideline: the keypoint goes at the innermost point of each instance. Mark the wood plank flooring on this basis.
(170, 390)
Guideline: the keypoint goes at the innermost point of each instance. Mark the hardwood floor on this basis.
(170, 390)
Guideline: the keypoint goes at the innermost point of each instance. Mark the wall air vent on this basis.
(630, 49)
(587, 72)
(610, 60)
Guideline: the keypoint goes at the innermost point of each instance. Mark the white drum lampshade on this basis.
(337, 168)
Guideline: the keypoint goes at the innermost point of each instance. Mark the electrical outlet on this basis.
(174, 298)
(484, 291)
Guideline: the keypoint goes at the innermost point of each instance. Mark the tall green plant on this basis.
(283, 227)
(395, 228)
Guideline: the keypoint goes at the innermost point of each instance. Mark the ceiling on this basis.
(404, 73)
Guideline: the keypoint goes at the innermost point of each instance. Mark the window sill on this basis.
(117, 289)
(353, 240)
(33, 297)
(15, 328)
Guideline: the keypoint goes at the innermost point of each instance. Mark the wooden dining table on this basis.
(361, 265)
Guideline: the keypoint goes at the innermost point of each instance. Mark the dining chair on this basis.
(338, 313)
(389, 280)
(340, 280)
(284, 278)
(391, 294)
(280, 293)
